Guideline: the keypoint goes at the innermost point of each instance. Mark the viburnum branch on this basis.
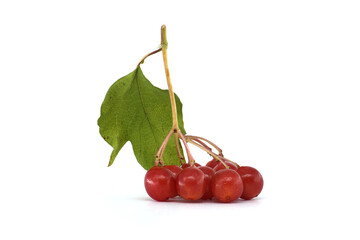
(200, 142)
(216, 156)
(175, 127)
(206, 140)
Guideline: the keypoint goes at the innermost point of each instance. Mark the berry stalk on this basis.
(180, 156)
(216, 156)
(198, 139)
(175, 127)
(191, 160)
(164, 45)
(160, 153)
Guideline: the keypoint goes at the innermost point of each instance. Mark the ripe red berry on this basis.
(226, 185)
(209, 173)
(185, 165)
(175, 169)
(252, 180)
(212, 163)
(220, 166)
(160, 183)
(190, 183)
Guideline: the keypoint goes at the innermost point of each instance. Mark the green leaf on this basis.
(134, 110)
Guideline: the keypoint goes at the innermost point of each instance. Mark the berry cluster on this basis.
(223, 180)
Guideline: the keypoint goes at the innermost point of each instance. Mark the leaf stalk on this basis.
(147, 55)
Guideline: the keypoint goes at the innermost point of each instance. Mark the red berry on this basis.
(185, 165)
(190, 183)
(252, 180)
(226, 185)
(175, 169)
(160, 183)
(209, 173)
(220, 166)
(212, 163)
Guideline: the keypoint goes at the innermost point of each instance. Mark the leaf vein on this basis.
(143, 107)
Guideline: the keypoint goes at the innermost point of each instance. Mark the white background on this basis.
(274, 83)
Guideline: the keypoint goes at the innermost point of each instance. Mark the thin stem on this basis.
(201, 143)
(164, 45)
(190, 157)
(176, 135)
(147, 55)
(166, 140)
(208, 141)
(160, 153)
(209, 152)
(225, 159)
(175, 128)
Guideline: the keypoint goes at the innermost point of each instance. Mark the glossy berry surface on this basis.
(175, 169)
(160, 183)
(226, 185)
(185, 165)
(191, 183)
(252, 180)
(209, 173)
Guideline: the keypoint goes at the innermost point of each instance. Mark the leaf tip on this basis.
(111, 161)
